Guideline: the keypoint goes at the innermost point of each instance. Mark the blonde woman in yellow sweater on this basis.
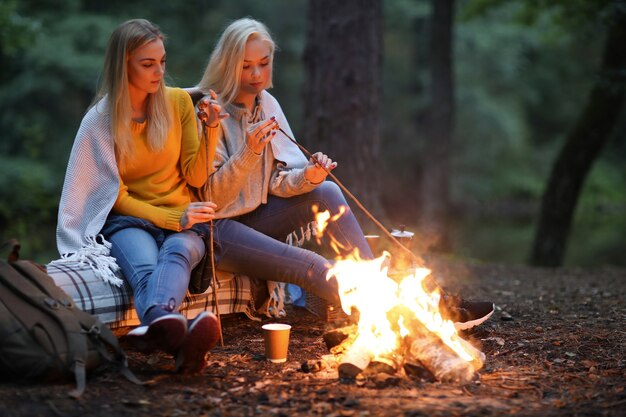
(126, 199)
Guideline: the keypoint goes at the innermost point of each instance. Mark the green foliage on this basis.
(566, 14)
(517, 94)
(28, 205)
(16, 31)
(605, 189)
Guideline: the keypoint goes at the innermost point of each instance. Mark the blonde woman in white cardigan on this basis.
(261, 179)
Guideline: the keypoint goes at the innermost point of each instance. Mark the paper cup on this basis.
(276, 336)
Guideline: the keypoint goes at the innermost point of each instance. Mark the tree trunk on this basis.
(583, 144)
(434, 198)
(343, 63)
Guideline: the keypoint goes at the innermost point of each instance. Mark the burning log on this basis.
(340, 339)
(388, 364)
(418, 371)
(421, 353)
(360, 355)
(446, 365)
(356, 359)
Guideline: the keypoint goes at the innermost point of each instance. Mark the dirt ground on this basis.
(554, 347)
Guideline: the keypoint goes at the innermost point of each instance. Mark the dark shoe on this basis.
(465, 314)
(204, 332)
(166, 333)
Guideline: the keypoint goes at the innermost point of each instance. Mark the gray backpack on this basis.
(43, 335)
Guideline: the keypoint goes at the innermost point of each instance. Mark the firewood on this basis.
(416, 370)
(337, 336)
(440, 360)
(386, 364)
(355, 360)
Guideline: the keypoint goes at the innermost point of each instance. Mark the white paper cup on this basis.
(276, 336)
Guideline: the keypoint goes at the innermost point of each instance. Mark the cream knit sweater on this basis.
(243, 179)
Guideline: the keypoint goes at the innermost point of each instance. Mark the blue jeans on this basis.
(254, 244)
(156, 263)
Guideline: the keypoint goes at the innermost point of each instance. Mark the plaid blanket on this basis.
(114, 305)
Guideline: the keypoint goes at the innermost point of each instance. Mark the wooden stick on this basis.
(211, 251)
(358, 203)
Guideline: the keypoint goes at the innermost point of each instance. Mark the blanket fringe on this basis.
(300, 237)
(274, 307)
(96, 254)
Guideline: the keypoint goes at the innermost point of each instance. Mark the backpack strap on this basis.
(103, 337)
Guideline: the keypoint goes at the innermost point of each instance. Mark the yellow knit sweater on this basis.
(153, 185)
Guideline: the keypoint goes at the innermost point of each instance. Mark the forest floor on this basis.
(554, 347)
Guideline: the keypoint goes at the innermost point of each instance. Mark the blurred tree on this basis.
(343, 64)
(582, 146)
(435, 162)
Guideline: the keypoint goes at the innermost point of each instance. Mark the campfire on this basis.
(399, 328)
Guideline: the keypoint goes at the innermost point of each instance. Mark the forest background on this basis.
(522, 74)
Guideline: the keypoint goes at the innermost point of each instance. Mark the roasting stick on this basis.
(202, 115)
(358, 203)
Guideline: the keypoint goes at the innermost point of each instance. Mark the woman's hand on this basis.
(199, 212)
(260, 134)
(209, 110)
(318, 168)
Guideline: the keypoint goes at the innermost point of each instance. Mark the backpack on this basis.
(43, 335)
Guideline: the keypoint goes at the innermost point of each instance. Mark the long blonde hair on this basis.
(124, 40)
(223, 72)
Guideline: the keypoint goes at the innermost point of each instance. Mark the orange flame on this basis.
(365, 285)
(322, 219)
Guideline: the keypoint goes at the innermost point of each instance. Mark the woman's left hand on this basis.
(318, 168)
(198, 212)
(209, 110)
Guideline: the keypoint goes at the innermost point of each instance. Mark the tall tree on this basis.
(438, 130)
(583, 144)
(343, 65)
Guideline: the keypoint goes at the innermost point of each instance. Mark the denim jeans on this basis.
(156, 263)
(254, 244)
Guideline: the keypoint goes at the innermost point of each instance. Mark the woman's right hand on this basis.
(210, 111)
(260, 134)
(199, 212)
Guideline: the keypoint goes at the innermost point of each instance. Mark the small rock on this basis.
(263, 398)
(504, 316)
(350, 402)
(312, 366)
